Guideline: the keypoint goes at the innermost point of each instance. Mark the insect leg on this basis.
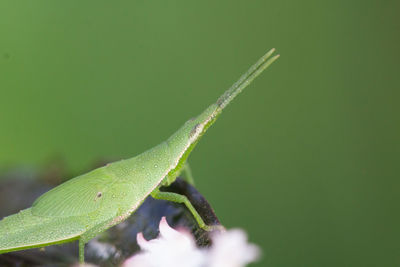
(184, 172)
(81, 251)
(95, 231)
(187, 173)
(174, 197)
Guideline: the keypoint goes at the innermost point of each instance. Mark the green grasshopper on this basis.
(87, 205)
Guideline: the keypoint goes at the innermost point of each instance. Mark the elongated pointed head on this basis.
(183, 141)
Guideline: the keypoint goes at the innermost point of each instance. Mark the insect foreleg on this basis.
(187, 173)
(183, 170)
(174, 197)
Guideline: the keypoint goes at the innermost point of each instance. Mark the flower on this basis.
(230, 249)
(178, 249)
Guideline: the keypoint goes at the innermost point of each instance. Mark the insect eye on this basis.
(99, 194)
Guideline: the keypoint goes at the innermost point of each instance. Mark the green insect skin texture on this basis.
(87, 205)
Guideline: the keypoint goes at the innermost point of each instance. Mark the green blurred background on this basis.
(306, 160)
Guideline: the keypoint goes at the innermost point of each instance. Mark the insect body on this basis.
(87, 205)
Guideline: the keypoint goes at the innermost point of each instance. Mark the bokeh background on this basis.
(306, 159)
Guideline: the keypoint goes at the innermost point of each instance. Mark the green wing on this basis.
(78, 196)
(25, 230)
(61, 215)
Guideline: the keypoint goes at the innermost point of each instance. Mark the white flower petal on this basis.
(139, 260)
(142, 242)
(230, 249)
(175, 248)
(170, 249)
